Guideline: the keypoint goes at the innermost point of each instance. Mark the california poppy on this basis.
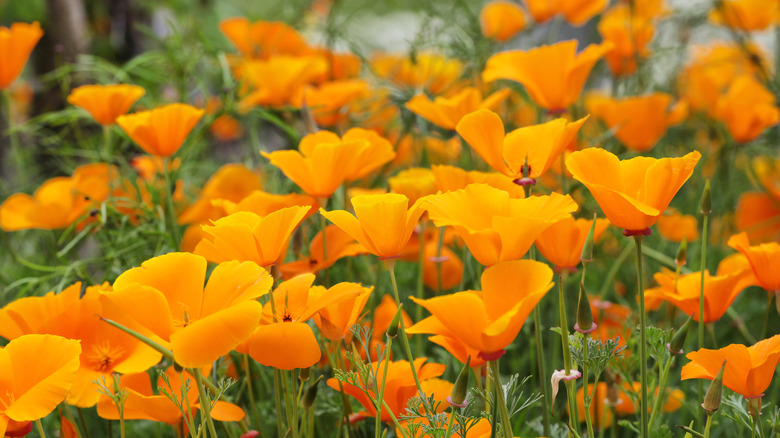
(630, 34)
(719, 292)
(414, 183)
(449, 178)
(276, 81)
(410, 149)
(106, 102)
(336, 319)
(536, 146)
(749, 370)
(631, 193)
(746, 15)
(232, 182)
(246, 236)
(561, 243)
(758, 212)
(674, 226)
(283, 340)
(324, 161)
(430, 71)
(763, 258)
(494, 226)
(747, 108)
(263, 39)
(501, 20)
(166, 296)
(556, 86)
(383, 224)
(329, 103)
(16, 44)
(602, 414)
(446, 112)
(161, 131)
(32, 388)
(640, 121)
(339, 245)
(576, 12)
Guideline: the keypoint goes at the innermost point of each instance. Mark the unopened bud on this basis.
(587, 250)
(682, 253)
(706, 199)
(392, 331)
(303, 374)
(461, 387)
(585, 322)
(675, 346)
(311, 393)
(712, 397)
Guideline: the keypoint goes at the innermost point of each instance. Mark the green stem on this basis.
(506, 422)
(703, 266)
(404, 339)
(642, 337)
(16, 151)
(40, 428)
(664, 375)
(278, 402)
(170, 208)
(708, 426)
(251, 392)
(107, 153)
(420, 290)
(83, 422)
(292, 423)
(378, 422)
(542, 372)
(766, 314)
(168, 354)
(587, 397)
(69, 416)
(205, 403)
(613, 270)
(451, 422)
(570, 394)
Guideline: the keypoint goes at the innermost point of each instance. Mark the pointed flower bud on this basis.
(392, 331)
(706, 199)
(585, 322)
(675, 346)
(311, 393)
(587, 249)
(682, 253)
(461, 387)
(712, 397)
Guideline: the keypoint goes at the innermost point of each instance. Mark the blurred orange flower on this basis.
(602, 414)
(561, 243)
(630, 34)
(383, 223)
(631, 193)
(16, 44)
(764, 258)
(278, 80)
(329, 102)
(429, 71)
(32, 388)
(489, 321)
(556, 86)
(749, 370)
(536, 146)
(747, 15)
(674, 226)
(324, 161)
(446, 112)
(640, 121)
(106, 102)
(449, 178)
(501, 20)
(262, 39)
(166, 296)
(747, 108)
(758, 213)
(161, 131)
(246, 236)
(576, 12)
(495, 227)
(232, 182)
(339, 245)
(414, 183)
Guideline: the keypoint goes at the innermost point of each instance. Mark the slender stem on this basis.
(278, 402)
(642, 337)
(16, 151)
(251, 392)
(170, 208)
(292, 421)
(69, 416)
(107, 153)
(587, 397)
(40, 428)
(450, 422)
(378, 422)
(613, 270)
(404, 339)
(205, 403)
(771, 296)
(83, 422)
(186, 408)
(664, 375)
(506, 422)
(708, 426)
(146, 340)
(420, 289)
(703, 266)
(542, 372)
(570, 394)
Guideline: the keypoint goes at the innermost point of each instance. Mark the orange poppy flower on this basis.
(719, 292)
(450, 264)
(16, 44)
(410, 149)
(60, 201)
(151, 168)
(450, 178)
(639, 122)
(232, 182)
(600, 412)
(495, 227)
(399, 386)
(489, 321)
(610, 319)
(631, 193)
(143, 404)
(166, 296)
(500, 20)
(747, 108)
(31, 387)
(283, 339)
(561, 243)
(383, 224)
(749, 370)
(262, 39)
(276, 81)
(339, 245)
(383, 316)
(630, 34)
(72, 315)
(758, 213)
(263, 203)
(246, 236)
(763, 258)
(576, 12)
(556, 86)
(161, 131)
(329, 102)
(537, 146)
(429, 71)
(324, 161)
(106, 102)
(336, 319)
(674, 226)
(446, 112)
(747, 15)
(343, 65)
(414, 183)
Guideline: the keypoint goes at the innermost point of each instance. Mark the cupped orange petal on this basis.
(16, 44)
(501, 20)
(285, 345)
(106, 102)
(161, 131)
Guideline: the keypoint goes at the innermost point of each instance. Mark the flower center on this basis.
(103, 356)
